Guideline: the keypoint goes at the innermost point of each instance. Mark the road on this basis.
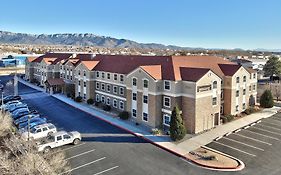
(106, 149)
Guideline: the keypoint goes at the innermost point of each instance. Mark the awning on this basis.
(54, 81)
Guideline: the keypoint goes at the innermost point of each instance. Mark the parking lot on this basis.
(257, 145)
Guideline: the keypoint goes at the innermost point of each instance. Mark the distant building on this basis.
(15, 60)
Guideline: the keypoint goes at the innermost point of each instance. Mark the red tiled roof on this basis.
(229, 70)
(154, 71)
(30, 59)
(55, 81)
(49, 60)
(192, 74)
(90, 64)
(59, 56)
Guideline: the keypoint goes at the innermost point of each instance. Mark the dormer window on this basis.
(244, 79)
(237, 79)
(134, 82)
(215, 85)
(167, 85)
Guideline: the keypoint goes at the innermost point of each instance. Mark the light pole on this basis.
(16, 84)
(28, 133)
(2, 101)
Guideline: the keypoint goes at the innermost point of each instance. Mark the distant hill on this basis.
(86, 39)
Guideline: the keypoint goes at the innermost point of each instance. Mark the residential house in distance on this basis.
(149, 87)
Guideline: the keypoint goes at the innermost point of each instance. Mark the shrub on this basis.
(124, 115)
(266, 100)
(177, 128)
(68, 95)
(78, 99)
(97, 103)
(155, 131)
(90, 101)
(227, 118)
(106, 108)
(249, 111)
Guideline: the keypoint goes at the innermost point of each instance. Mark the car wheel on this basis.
(47, 149)
(76, 141)
(49, 133)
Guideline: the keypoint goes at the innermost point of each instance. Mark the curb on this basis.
(238, 168)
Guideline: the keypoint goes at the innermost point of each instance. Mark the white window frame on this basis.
(134, 78)
(147, 83)
(108, 76)
(102, 85)
(164, 119)
(216, 102)
(166, 81)
(146, 117)
(108, 101)
(115, 77)
(146, 99)
(165, 97)
(121, 102)
(121, 91)
(133, 96)
(215, 83)
(114, 103)
(97, 74)
(108, 85)
(133, 113)
(97, 98)
(103, 99)
(115, 92)
(97, 85)
(121, 79)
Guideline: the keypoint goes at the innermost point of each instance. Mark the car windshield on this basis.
(32, 130)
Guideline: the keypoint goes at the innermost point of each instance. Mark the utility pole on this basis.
(2, 100)
(28, 135)
(16, 90)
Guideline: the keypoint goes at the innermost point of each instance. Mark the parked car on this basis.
(5, 106)
(31, 125)
(19, 113)
(15, 106)
(25, 118)
(35, 112)
(59, 139)
(40, 131)
(36, 119)
(10, 98)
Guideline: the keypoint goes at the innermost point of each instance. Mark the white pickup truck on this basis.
(59, 139)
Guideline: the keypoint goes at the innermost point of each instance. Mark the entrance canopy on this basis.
(54, 82)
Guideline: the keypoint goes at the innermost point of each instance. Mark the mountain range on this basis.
(89, 39)
(78, 39)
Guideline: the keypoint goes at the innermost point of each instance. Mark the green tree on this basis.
(266, 100)
(272, 66)
(177, 128)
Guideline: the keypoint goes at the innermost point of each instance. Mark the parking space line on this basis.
(73, 146)
(235, 149)
(267, 131)
(251, 146)
(252, 139)
(270, 127)
(275, 120)
(81, 166)
(270, 123)
(106, 170)
(80, 154)
(262, 135)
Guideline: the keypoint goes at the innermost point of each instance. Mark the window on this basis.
(121, 105)
(115, 77)
(167, 102)
(66, 137)
(244, 91)
(134, 96)
(45, 129)
(237, 79)
(221, 94)
(244, 79)
(134, 82)
(97, 74)
(84, 73)
(166, 119)
(250, 88)
(39, 130)
(145, 99)
(244, 105)
(115, 89)
(79, 83)
(237, 108)
(145, 83)
(97, 85)
(78, 72)
(108, 75)
(121, 78)
(98, 98)
(144, 116)
(121, 91)
(214, 101)
(215, 85)
(237, 93)
(102, 99)
(84, 96)
(108, 101)
(59, 138)
(102, 75)
(102, 86)
(167, 85)
(254, 87)
(134, 113)
(254, 76)
(85, 84)
(115, 103)
(108, 88)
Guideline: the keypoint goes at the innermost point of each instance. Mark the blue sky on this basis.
(244, 24)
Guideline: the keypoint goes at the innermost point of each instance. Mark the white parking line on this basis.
(106, 170)
(235, 149)
(80, 154)
(251, 146)
(82, 165)
(73, 146)
(253, 139)
(267, 131)
(262, 135)
(271, 127)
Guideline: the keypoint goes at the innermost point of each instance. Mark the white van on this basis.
(39, 131)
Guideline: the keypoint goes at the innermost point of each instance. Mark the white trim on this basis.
(116, 89)
(110, 82)
(166, 111)
(169, 85)
(163, 119)
(169, 101)
(114, 102)
(102, 97)
(111, 95)
(97, 97)
(121, 91)
(107, 101)
(143, 83)
(102, 84)
(132, 82)
(98, 83)
(108, 85)
(120, 105)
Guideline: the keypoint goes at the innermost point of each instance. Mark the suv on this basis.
(40, 131)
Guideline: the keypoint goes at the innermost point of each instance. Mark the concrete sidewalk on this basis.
(182, 148)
